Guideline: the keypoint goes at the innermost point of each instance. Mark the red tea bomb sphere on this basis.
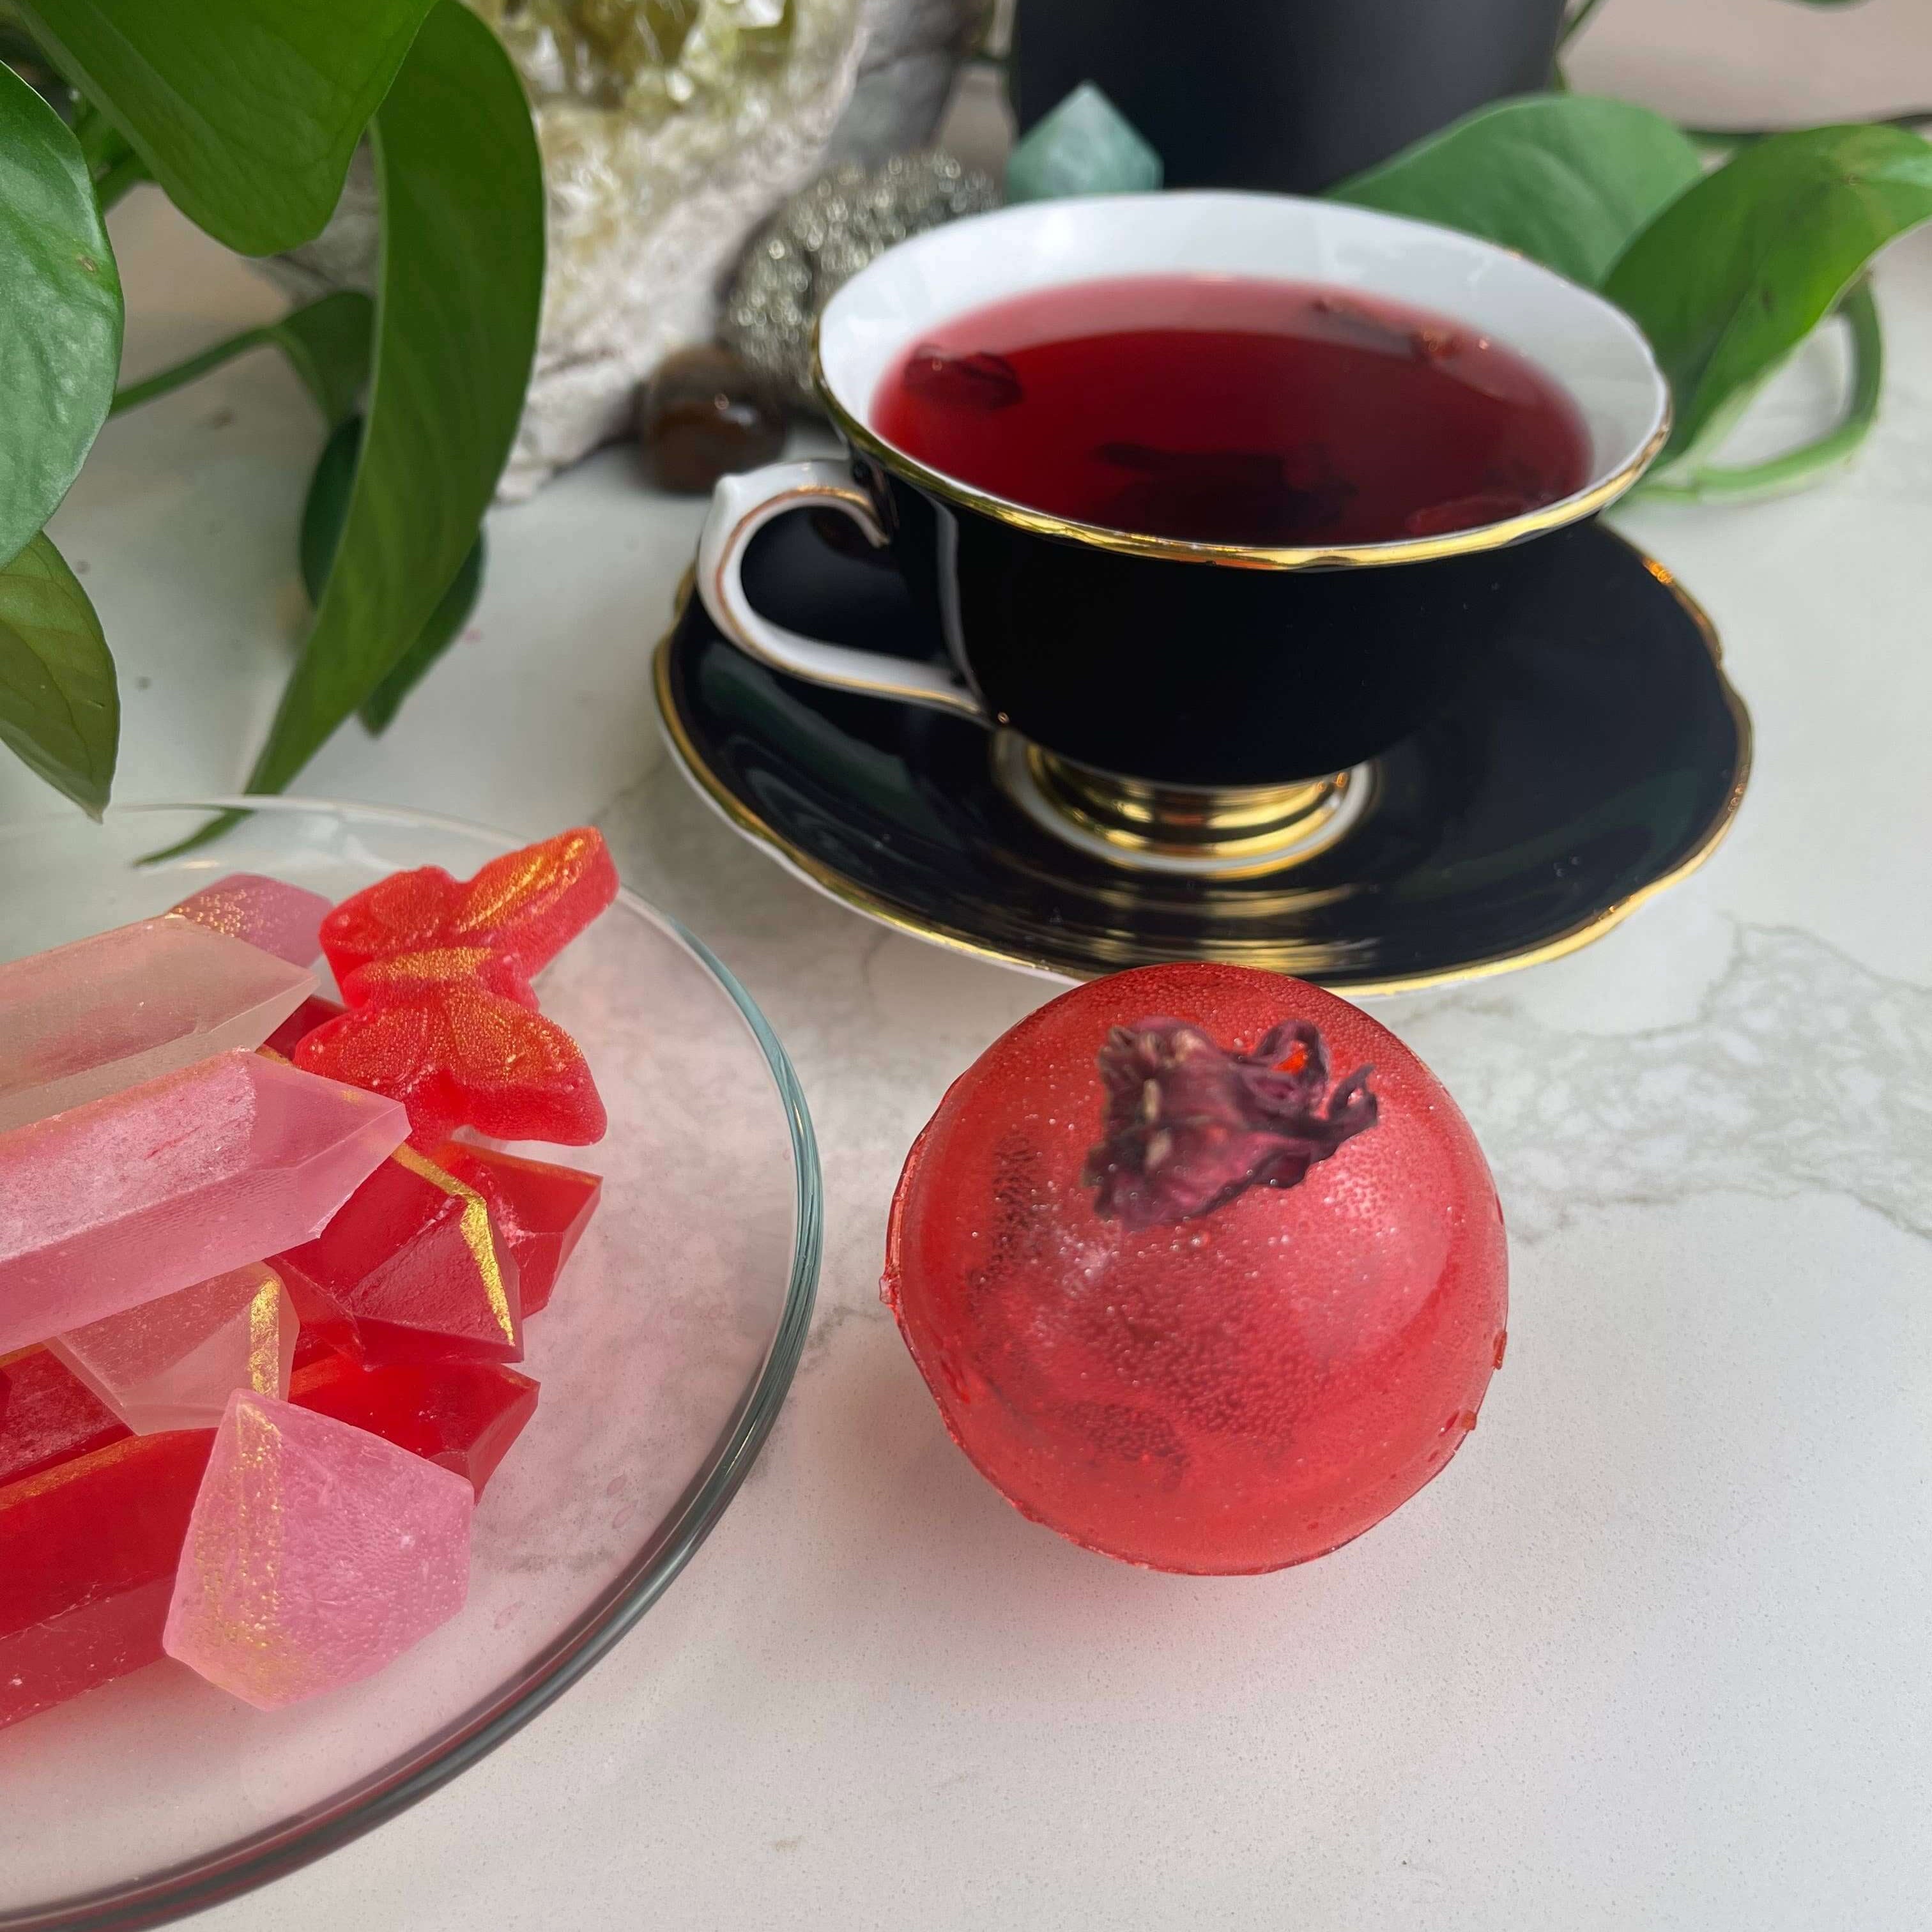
(1203, 1268)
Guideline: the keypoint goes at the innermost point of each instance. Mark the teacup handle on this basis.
(741, 506)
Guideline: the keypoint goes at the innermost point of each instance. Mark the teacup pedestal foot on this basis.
(1201, 832)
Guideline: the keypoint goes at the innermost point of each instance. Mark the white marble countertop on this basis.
(1656, 1651)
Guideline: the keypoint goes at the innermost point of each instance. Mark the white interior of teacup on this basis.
(1592, 348)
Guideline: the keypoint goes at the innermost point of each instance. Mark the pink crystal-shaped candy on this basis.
(317, 1554)
(279, 918)
(173, 1364)
(116, 1203)
(127, 1006)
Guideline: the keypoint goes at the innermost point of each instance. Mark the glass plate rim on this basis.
(274, 1853)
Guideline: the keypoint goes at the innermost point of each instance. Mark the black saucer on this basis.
(1586, 759)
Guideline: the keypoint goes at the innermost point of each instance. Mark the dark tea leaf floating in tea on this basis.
(980, 382)
(1426, 343)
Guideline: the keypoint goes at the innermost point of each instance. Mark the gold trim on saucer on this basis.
(1253, 556)
(1322, 964)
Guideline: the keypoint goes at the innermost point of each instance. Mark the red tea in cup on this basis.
(1224, 409)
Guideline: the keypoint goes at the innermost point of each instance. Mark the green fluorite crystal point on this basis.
(1085, 146)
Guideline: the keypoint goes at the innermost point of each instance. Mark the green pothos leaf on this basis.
(60, 712)
(322, 514)
(1569, 179)
(462, 199)
(60, 312)
(245, 111)
(1738, 270)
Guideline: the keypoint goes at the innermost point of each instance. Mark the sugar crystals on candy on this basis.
(270, 913)
(527, 906)
(441, 1015)
(46, 1416)
(453, 1034)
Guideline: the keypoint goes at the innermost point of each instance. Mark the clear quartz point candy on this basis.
(172, 1363)
(151, 1190)
(108, 1012)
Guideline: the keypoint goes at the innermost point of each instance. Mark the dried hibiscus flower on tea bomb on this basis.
(1189, 1126)
(1182, 1294)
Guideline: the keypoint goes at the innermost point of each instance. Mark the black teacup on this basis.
(1179, 665)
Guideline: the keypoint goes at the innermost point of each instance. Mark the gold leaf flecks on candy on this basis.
(478, 1234)
(267, 1314)
(222, 907)
(239, 1563)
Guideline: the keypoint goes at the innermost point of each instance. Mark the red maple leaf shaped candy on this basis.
(526, 907)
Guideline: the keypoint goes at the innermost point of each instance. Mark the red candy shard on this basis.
(310, 1348)
(457, 1054)
(410, 1268)
(1180, 1300)
(527, 906)
(540, 1208)
(88, 1551)
(47, 1415)
(463, 1415)
(305, 1019)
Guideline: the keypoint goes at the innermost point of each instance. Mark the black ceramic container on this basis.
(1288, 94)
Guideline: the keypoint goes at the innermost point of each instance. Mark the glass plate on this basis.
(663, 1361)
